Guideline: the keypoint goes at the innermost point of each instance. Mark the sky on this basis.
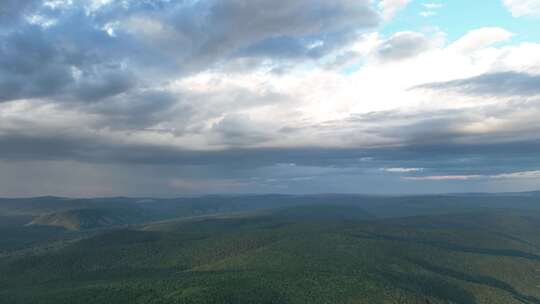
(168, 98)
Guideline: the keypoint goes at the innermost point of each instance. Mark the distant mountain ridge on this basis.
(93, 213)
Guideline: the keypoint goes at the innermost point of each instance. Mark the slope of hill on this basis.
(83, 219)
(49, 204)
(323, 212)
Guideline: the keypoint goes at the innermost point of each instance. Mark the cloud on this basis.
(219, 110)
(11, 11)
(444, 178)
(521, 8)
(431, 9)
(389, 8)
(480, 38)
(237, 130)
(30, 66)
(427, 14)
(87, 52)
(36, 62)
(212, 31)
(518, 175)
(149, 92)
(432, 5)
(403, 170)
(502, 176)
(402, 45)
(216, 115)
(505, 84)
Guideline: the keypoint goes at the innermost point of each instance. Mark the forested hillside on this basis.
(307, 253)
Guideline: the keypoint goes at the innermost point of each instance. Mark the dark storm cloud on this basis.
(137, 110)
(87, 55)
(509, 121)
(240, 130)
(37, 62)
(504, 84)
(72, 59)
(436, 159)
(102, 84)
(30, 65)
(275, 29)
(433, 139)
(445, 148)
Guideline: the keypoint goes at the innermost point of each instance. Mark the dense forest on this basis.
(319, 249)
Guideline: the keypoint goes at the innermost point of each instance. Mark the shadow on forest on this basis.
(477, 279)
(451, 247)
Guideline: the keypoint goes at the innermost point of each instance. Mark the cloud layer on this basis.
(257, 96)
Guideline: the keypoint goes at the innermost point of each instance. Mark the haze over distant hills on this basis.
(102, 212)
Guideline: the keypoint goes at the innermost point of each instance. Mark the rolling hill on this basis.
(308, 253)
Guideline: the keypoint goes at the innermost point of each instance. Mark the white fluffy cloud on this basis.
(389, 8)
(328, 99)
(520, 8)
(480, 39)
